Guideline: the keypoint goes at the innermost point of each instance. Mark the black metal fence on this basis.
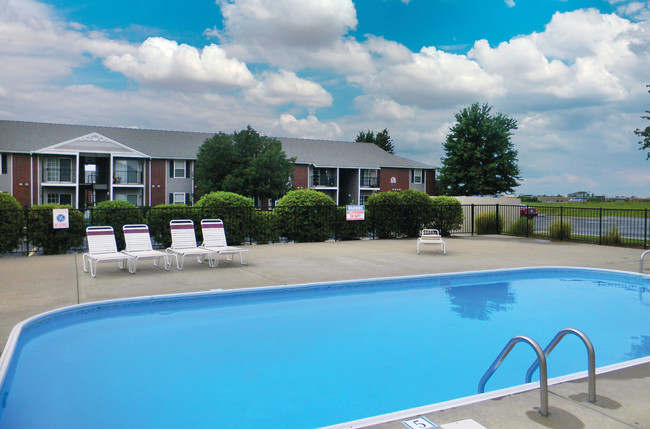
(319, 223)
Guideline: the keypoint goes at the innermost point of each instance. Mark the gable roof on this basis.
(28, 137)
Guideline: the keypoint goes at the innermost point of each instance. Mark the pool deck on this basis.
(32, 285)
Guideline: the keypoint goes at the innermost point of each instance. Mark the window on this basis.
(132, 198)
(179, 198)
(128, 171)
(369, 179)
(59, 198)
(58, 170)
(416, 175)
(179, 169)
(3, 163)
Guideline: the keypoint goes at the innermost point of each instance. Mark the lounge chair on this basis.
(184, 243)
(431, 236)
(138, 245)
(214, 239)
(102, 247)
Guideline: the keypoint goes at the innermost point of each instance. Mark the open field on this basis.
(619, 205)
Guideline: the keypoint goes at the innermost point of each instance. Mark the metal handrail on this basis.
(641, 264)
(543, 381)
(591, 357)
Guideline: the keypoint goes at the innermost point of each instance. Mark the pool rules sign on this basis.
(60, 218)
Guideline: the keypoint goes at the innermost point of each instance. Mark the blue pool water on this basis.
(312, 355)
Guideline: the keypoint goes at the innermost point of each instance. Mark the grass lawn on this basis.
(591, 208)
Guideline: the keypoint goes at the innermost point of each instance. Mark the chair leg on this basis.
(93, 272)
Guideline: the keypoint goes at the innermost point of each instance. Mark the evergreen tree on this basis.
(382, 139)
(479, 157)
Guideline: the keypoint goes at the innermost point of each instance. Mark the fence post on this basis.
(561, 223)
(645, 228)
(497, 219)
(472, 216)
(600, 225)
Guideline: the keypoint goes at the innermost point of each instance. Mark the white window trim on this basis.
(420, 177)
(184, 165)
(180, 195)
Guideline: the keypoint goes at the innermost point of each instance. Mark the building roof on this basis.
(28, 137)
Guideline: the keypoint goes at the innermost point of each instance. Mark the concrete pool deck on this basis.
(32, 285)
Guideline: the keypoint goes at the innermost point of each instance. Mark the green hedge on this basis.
(159, 217)
(264, 228)
(12, 223)
(116, 214)
(233, 209)
(41, 231)
(349, 229)
(304, 215)
(399, 214)
(447, 214)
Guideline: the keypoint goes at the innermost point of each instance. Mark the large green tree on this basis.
(480, 158)
(245, 163)
(381, 139)
(645, 143)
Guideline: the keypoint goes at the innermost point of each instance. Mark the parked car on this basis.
(527, 211)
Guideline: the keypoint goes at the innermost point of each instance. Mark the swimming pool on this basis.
(309, 355)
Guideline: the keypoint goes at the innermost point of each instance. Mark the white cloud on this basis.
(311, 128)
(285, 87)
(162, 61)
(510, 3)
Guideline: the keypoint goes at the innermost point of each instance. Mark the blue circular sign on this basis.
(60, 218)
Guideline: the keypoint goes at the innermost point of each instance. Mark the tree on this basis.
(645, 143)
(479, 157)
(382, 139)
(244, 163)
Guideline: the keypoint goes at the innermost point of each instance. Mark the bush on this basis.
(304, 215)
(264, 228)
(523, 227)
(12, 223)
(349, 230)
(612, 237)
(417, 212)
(116, 214)
(447, 214)
(560, 230)
(159, 217)
(382, 213)
(488, 223)
(41, 232)
(233, 209)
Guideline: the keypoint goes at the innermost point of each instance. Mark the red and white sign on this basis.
(355, 212)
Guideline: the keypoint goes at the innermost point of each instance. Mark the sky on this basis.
(572, 73)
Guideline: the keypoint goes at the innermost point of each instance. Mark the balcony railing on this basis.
(125, 177)
(59, 175)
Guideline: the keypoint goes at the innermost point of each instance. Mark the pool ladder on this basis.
(541, 362)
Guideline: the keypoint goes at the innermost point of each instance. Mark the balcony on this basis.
(127, 177)
(57, 175)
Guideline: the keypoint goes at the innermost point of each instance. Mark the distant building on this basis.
(83, 165)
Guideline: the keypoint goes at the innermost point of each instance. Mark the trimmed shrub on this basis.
(523, 227)
(304, 215)
(233, 209)
(382, 213)
(41, 232)
(417, 212)
(159, 217)
(349, 230)
(264, 228)
(488, 223)
(12, 223)
(560, 230)
(116, 214)
(447, 214)
(612, 236)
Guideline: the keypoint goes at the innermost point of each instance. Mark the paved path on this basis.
(31, 285)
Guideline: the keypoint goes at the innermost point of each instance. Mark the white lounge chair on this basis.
(184, 243)
(138, 245)
(214, 239)
(431, 236)
(102, 247)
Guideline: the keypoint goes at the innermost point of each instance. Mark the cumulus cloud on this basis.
(433, 79)
(162, 61)
(311, 128)
(285, 87)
